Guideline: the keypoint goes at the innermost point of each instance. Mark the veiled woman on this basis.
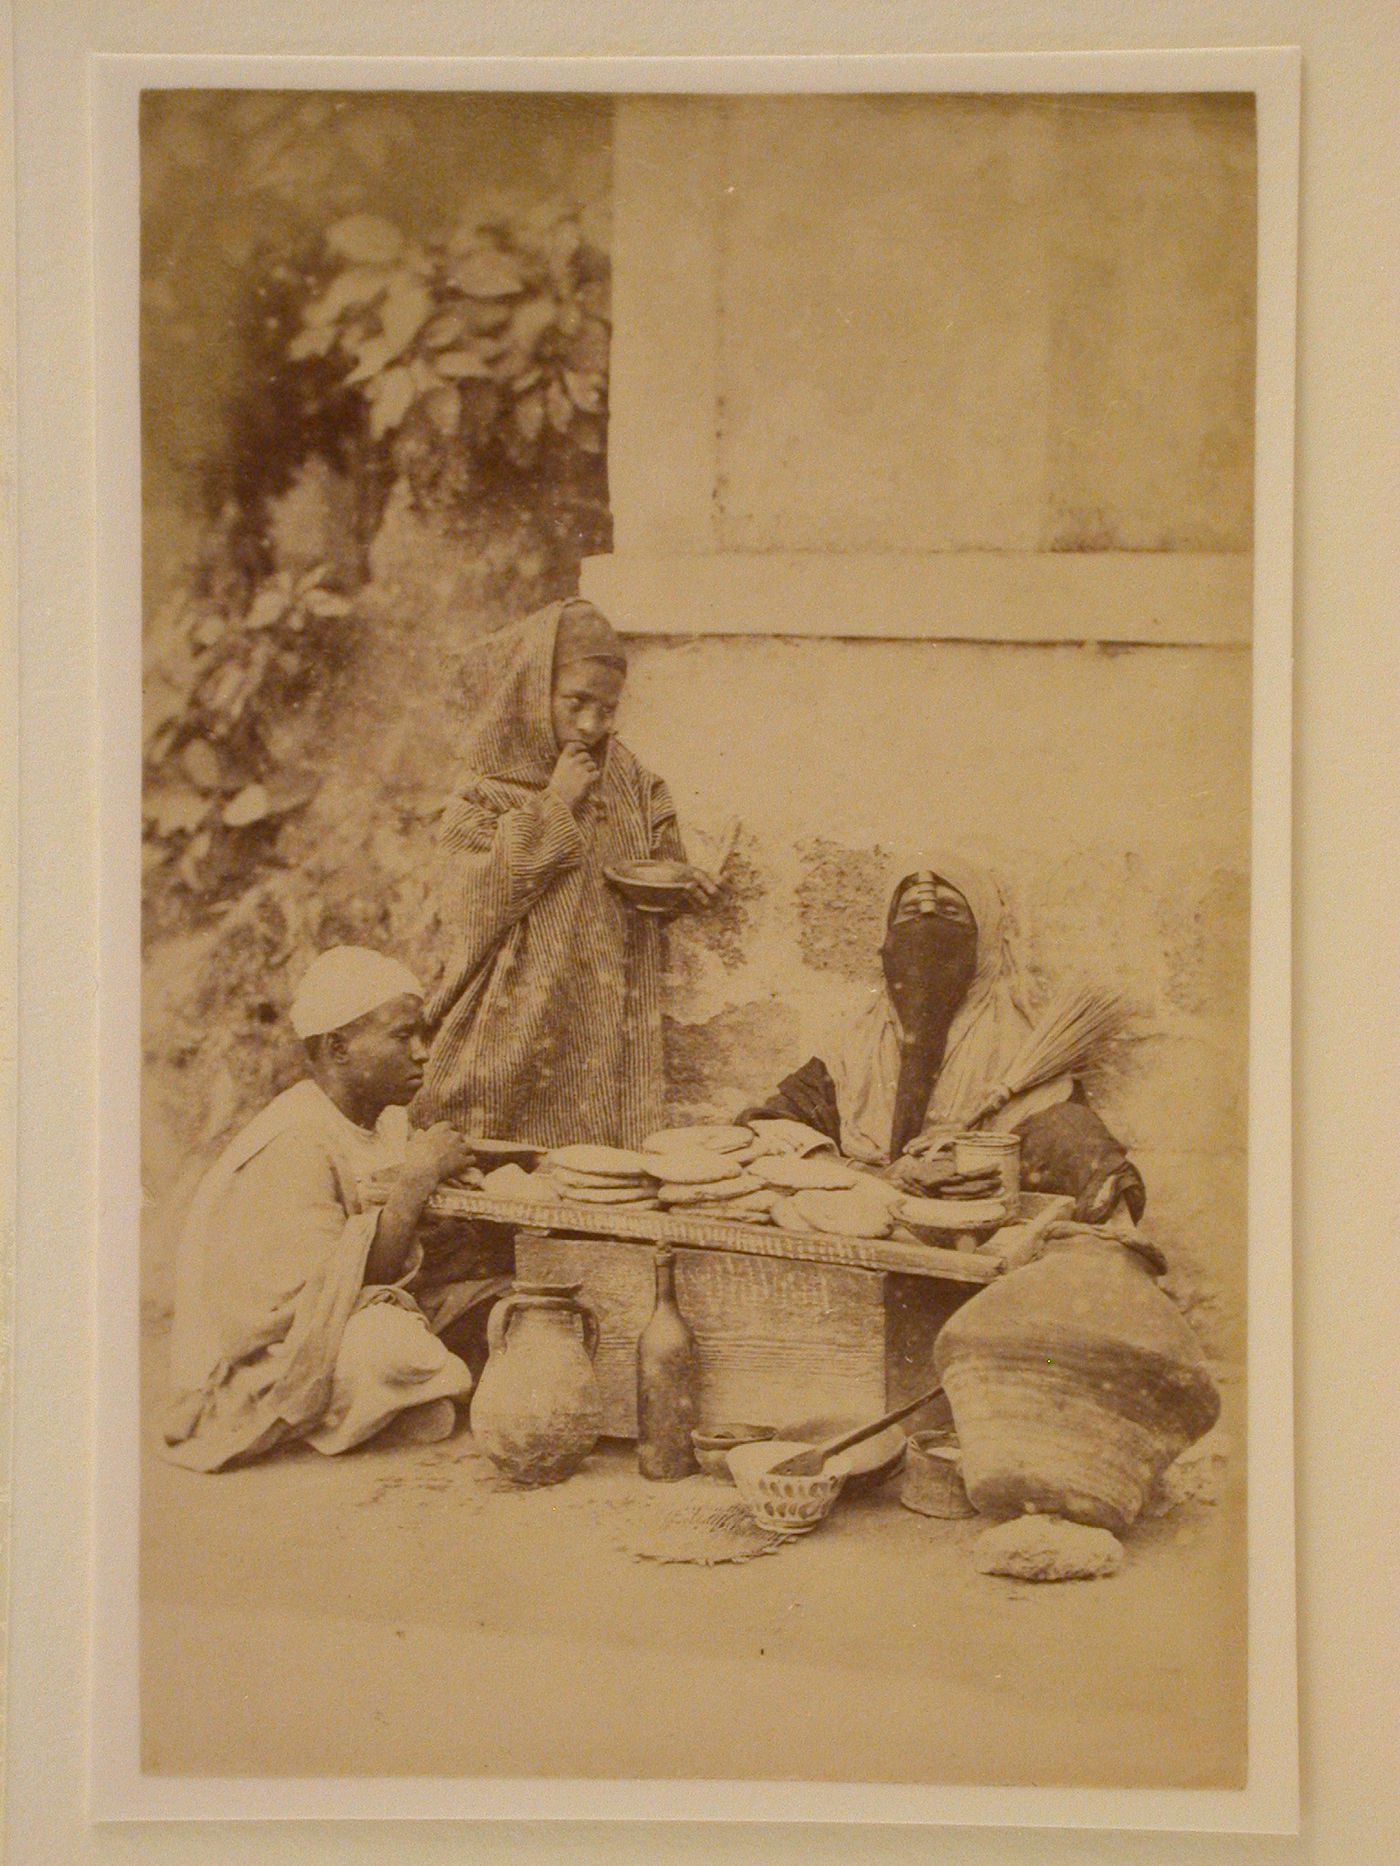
(920, 1063)
(547, 1014)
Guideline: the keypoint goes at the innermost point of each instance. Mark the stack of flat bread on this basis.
(730, 1142)
(588, 1175)
(863, 1210)
(791, 1172)
(714, 1185)
(713, 1171)
(701, 1171)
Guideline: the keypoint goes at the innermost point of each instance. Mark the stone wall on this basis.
(930, 457)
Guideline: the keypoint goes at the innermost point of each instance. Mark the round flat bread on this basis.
(712, 1136)
(599, 1182)
(788, 1217)
(761, 1202)
(511, 1182)
(768, 1197)
(606, 1195)
(871, 1186)
(714, 1194)
(846, 1214)
(951, 1214)
(533, 1186)
(751, 1205)
(693, 1168)
(812, 1174)
(590, 1159)
(643, 1203)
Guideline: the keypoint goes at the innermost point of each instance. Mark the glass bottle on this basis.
(665, 1383)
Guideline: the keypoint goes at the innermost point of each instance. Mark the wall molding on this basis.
(1162, 598)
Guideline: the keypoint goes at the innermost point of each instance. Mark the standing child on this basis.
(547, 1017)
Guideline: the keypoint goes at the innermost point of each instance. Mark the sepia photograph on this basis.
(696, 820)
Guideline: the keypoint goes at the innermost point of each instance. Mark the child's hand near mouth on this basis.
(574, 776)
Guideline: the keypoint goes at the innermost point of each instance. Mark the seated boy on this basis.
(292, 1313)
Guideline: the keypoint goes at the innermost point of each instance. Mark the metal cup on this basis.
(977, 1153)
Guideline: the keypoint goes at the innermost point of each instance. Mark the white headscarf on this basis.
(987, 1030)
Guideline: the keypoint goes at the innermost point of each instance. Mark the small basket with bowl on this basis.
(790, 1486)
(785, 1503)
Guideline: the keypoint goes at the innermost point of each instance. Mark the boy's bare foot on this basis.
(422, 1425)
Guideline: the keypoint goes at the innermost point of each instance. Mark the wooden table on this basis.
(788, 1325)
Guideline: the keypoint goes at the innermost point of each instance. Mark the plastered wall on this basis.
(929, 324)
(1103, 786)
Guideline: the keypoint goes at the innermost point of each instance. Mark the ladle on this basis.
(809, 1463)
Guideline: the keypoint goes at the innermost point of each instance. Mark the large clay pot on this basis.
(1074, 1382)
(537, 1412)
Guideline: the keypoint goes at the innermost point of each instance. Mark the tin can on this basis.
(933, 1482)
(977, 1153)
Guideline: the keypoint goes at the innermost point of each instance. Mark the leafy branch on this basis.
(476, 368)
(214, 683)
(492, 345)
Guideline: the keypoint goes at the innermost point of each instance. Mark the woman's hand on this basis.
(574, 776)
(701, 890)
(930, 1145)
(925, 1170)
(912, 1174)
(1107, 1193)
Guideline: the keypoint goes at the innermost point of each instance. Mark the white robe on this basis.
(276, 1336)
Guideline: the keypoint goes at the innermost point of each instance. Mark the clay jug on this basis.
(1074, 1382)
(537, 1412)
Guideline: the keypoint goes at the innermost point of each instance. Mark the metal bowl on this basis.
(653, 887)
(713, 1444)
(869, 1463)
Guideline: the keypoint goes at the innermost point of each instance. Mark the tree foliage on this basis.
(473, 369)
(218, 685)
(482, 359)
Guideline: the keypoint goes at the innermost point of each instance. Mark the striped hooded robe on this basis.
(547, 1015)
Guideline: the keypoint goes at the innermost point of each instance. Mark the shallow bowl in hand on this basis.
(653, 887)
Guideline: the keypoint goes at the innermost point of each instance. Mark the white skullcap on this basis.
(345, 983)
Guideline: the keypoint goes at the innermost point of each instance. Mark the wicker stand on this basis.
(789, 1326)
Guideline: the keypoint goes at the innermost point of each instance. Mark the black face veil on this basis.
(929, 962)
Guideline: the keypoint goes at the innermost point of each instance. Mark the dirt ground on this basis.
(399, 1611)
